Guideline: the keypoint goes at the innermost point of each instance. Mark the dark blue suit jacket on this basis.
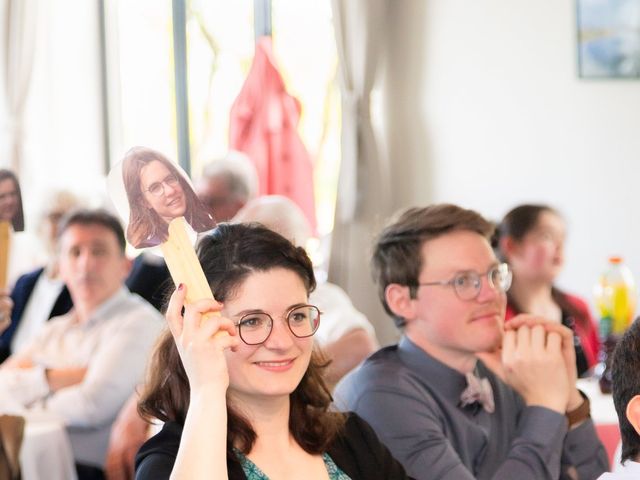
(20, 296)
(150, 281)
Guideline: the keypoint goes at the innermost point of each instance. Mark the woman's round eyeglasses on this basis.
(157, 188)
(255, 328)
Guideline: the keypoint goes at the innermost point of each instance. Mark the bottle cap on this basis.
(615, 259)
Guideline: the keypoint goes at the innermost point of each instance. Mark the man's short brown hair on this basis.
(84, 216)
(397, 251)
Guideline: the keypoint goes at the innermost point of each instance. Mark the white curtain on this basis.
(363, 187)
(18, 45)
(359, 30)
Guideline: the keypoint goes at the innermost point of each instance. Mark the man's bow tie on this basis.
(478, 390)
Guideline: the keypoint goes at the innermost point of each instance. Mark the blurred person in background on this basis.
(11, 200)
(227, 184)
(25, 252)
(40, 294)
(530, 238)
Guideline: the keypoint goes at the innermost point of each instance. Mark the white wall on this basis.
(497, 116)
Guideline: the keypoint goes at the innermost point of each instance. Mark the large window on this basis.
(142, 86)
(220, 44)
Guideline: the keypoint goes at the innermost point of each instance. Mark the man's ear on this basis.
(399, 300)
(633, 413)
(127, 264)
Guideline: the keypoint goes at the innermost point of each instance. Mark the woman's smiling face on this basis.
(275, 367)
(162, 190)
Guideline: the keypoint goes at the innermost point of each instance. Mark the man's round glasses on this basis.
(467, 284)
(157, 188)
(255, 328)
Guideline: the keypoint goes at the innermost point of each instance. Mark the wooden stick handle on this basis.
(5, 239)
(183, 263)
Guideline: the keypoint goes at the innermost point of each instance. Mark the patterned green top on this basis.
(252, 471)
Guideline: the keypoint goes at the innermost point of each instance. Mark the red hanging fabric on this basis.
(263, 125)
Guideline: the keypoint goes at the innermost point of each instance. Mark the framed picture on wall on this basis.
(608, 38)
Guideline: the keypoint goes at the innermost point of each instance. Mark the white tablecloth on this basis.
(46, 452)
(603, 411)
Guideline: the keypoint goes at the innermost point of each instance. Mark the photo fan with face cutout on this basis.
(155, 197)
(11, 218)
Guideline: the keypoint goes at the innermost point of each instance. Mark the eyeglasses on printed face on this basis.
(157, 188)
(255, 327)
(467, 284)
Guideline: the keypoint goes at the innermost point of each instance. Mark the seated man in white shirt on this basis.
(84, 365)
(626, 397)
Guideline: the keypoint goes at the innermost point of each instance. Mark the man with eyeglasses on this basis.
(439, 409)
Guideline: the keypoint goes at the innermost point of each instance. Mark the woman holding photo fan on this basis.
(253, 403)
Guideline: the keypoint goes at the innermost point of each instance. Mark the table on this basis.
(603, 414)
(46, 452)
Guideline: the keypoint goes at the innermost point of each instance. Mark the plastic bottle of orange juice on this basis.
(615, 296)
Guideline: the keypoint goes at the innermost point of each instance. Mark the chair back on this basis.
(11, 434)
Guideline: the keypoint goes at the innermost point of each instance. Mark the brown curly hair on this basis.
(229, 254)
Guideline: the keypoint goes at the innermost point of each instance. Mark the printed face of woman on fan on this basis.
(157, 192)
(162, 191)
